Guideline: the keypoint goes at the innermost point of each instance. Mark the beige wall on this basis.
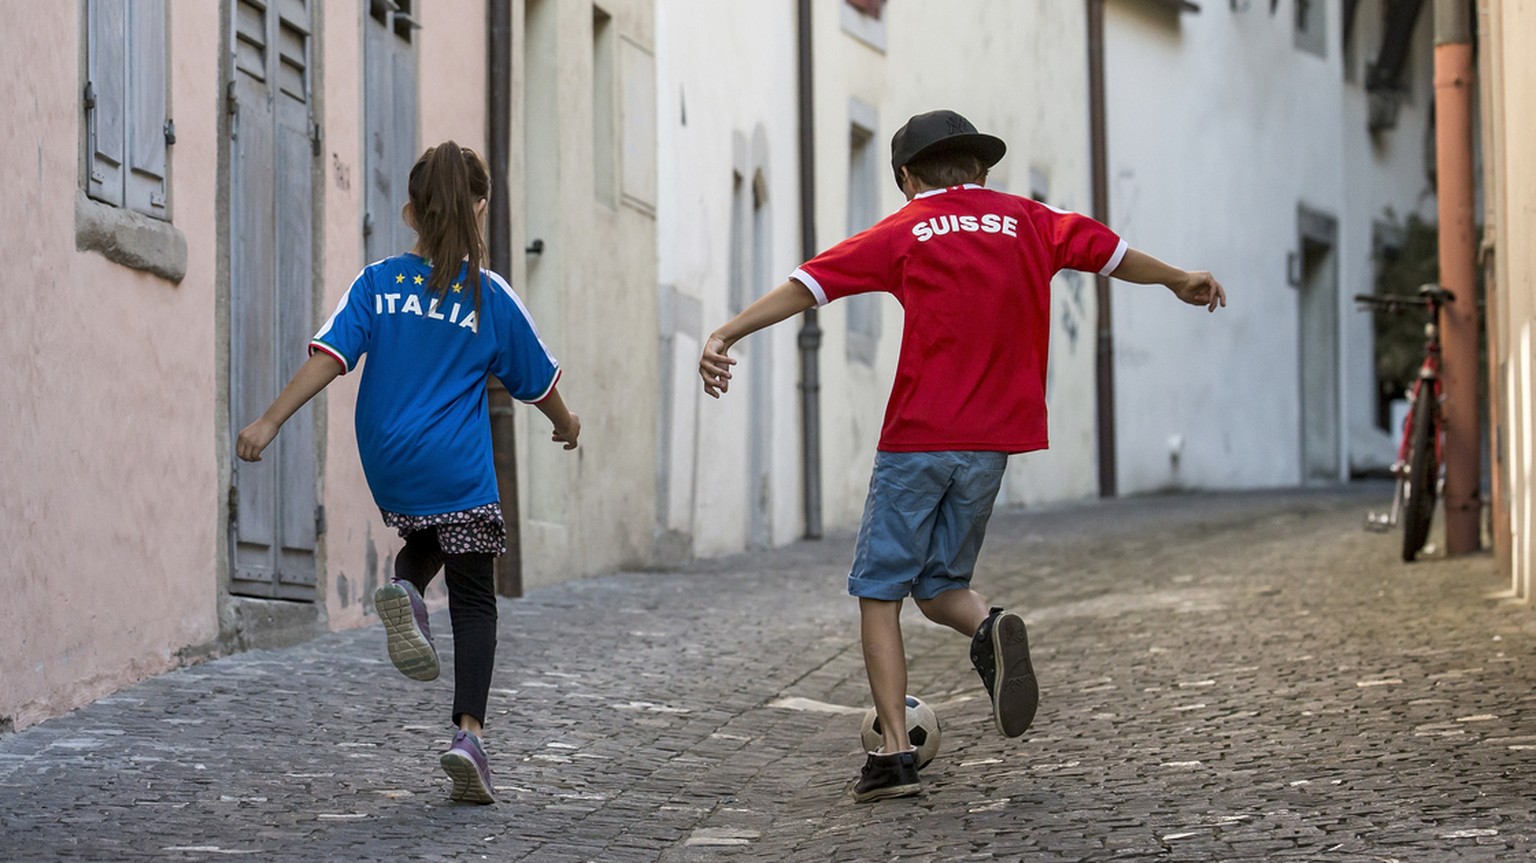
(1510, 183)
(592, 291)
(108, 478)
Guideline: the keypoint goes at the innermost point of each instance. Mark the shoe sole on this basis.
(888, 792)
(468, 787)
(408, 647)
(1017, 692)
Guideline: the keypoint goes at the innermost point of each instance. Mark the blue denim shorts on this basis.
(924, 522)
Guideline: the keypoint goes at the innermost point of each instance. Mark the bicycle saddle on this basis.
(1436, 293)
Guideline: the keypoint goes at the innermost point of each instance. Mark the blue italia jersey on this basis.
(423, 422)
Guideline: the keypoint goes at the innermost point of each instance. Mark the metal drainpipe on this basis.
(1454, 75)
(810, 329)
(1104, 363)
(498, 67)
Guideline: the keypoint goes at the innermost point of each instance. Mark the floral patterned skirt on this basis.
(478, 530)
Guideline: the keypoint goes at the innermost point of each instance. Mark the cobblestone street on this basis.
(1223, 677)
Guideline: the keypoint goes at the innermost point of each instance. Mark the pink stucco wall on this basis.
(108, 479)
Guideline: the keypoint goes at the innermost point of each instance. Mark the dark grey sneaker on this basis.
(407, 633)
(1000, 654)
(465, 764)
(885, 776)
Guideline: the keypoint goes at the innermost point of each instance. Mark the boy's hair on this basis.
(444, 186)
(944, 169)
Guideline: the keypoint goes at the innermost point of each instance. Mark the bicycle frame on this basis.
(1431, 299)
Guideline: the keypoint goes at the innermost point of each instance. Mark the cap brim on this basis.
(988, 148)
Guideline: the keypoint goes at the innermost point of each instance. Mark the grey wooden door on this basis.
(390, 110)
(273, 138)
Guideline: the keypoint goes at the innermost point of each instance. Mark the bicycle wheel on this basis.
(1419, 504)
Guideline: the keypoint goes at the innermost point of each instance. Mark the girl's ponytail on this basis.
(445, 185)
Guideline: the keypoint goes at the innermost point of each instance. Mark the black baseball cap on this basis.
(939, 132)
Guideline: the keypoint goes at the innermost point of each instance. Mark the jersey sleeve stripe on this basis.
(804, 278)
(341, 304)
(1115, 259)
(547, 390)
(317, 345)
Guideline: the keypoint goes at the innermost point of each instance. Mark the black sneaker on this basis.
(1000, 653)
(886, 776)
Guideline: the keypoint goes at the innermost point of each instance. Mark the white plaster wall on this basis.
(108, 479)
(593, 509)
(1385, 179)
(1218, 128)
(730, 68)
(725, 74)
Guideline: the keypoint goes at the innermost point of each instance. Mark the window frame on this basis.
(128, 217)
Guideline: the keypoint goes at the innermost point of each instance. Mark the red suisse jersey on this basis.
(972, 269)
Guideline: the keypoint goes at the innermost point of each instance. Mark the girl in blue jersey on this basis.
(434, 325)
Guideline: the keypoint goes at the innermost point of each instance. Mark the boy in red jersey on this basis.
(972, 269)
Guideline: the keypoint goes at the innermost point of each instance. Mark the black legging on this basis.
(471, 582)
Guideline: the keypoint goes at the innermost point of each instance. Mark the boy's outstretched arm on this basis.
(1198, 288)
(320, 369)
(785, 301)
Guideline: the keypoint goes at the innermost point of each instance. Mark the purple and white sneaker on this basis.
(465, 764)
(407, 633)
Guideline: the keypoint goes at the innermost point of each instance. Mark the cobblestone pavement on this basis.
(1224, 677)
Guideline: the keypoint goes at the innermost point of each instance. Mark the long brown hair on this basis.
(445, 184)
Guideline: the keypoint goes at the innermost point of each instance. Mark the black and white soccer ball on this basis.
(922, 730)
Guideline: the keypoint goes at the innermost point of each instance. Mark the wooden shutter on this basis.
(106, 98)
(144, 185)
(272, 291)
(390, 93)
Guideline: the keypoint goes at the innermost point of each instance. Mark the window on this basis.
(736, 298)
(1310, 34)
(864, 172)
(603, 132)
(861, 20)
(126, 126)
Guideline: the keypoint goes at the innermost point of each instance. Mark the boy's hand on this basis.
(568, 432)
(254, 438)
(715, 366)
(1200, 288)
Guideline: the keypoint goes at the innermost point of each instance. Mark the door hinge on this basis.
(320, 519)
(170, 133)
(231, 104)
(234, 503)
(315, 137)
(90, 96)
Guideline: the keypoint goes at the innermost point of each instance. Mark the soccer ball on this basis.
(922, 730)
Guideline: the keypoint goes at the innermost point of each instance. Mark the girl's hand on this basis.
(1200, 288)
(715, 367)
(254, 438)
(568, 432)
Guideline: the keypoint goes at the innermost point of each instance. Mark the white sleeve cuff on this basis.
(1115, 259)
(804, 278)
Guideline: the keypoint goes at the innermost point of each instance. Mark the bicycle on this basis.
(1420, 452)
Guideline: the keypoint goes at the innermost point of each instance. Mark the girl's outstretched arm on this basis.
(567, 425)
(317, 371)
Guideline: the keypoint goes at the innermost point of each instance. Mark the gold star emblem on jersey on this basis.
(400, 278)
(417, 280)
(457, 288)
